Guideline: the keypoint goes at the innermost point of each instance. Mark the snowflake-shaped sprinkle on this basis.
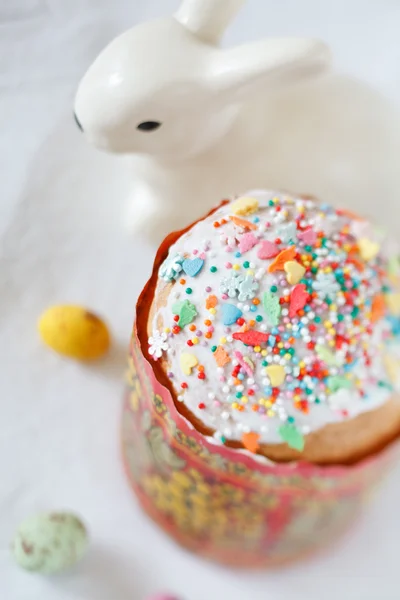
(287, 232)
(247, 288)
(231, 285)
(158, 344)
(326, 285)
(171, 267)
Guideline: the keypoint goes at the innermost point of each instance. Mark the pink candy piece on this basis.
(267, 250)
(298, 299)
(247, 242)
(246, 368)
(308, 236)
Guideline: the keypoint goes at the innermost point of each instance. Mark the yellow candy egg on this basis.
(74, 331)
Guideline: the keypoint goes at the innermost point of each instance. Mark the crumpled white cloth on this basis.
(62, 240)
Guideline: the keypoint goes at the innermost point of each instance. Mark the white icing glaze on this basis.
(336, 361)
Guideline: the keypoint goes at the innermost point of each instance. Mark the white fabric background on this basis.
(62, 240)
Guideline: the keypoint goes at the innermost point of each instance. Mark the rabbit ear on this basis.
(239, 69)
(208, 19)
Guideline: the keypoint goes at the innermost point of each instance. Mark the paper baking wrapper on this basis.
(225, 504)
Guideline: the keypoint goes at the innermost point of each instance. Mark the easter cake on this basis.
(271, 319)
(264, 391)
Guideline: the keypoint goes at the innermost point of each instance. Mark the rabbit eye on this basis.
(149, 125)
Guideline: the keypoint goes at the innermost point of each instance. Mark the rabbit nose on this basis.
(77, 121)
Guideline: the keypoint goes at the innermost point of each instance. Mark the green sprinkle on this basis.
(273, 288)
(186, 311)
(292, 436)
(271, 203)
(317, 319)
(291, 419)
(308, 248)
(282, 352)
(223, 439)
(272, 308)
(264, 363)
(314, 270)
(355, 312)
(291, 351)
(213, 348)
(340, 317)
(246, 264)
(317, 401)
(213, 269)
(189, 290)
(259, 318)
(239, 394)
(337, 382)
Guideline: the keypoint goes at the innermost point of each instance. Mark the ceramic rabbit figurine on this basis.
(204, 122)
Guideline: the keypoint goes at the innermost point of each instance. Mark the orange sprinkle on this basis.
(301, 313)
(208, 335)
(240, 408)
(243, 223)
(237, 382)
(182, 281)
(250, 441)
(256, 301)
(207, 322)
(252, 322)
(223, 222)
(216, 224)
(254, 407)
(282, 258)
(211, 302)
(192, 327)
(200, 368)
(221, 356)
(378, 308)
(350, 214)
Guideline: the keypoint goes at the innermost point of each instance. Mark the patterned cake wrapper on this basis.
(225, 504)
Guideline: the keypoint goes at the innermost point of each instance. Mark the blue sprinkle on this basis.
(274, 331)
(268, 390)
(240, 376)
(272, 340)
(253, 308)
(238, 254)
(256, 220)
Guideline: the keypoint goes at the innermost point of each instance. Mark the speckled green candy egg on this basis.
(49, 543)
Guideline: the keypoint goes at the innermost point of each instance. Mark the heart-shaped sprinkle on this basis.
(393, 303)
(298, 299)
(392, 367)
(294, 271)
(250, 441)
(368, 249)
(221, 356)
(188, 362)
(292, 436)
(276, 374)
(230, 313)
(244, 206)
(192, 266)
(308, 236)
(247, 242)
(267, 250)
